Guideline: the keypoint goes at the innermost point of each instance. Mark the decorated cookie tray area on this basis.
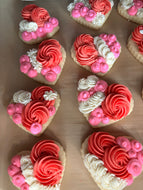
(69, 127)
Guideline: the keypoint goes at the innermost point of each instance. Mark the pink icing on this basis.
(17, 118)
(101, 86)
(136, 146)
(95, 67)
(45, 70)
(34, 35)
(94, 120)
(138, 4)
(83, 96)
(18, 179)
(124, 143)
(140, 156)
(54, 21)
(134, 167)
(90, 15)
(36, 128)
(24, 58)
(12, 170)
(24, 186)
(78, 5)
(132, 153)
(132, 10)
(51, 110)
(83, 11)
(11, 109)
(32, 73)
(18, 108)
(104, 67)
(100, 65)
(48, 27)
(56, 69)
(24, 67)
(50, 76)
(40, 32)
(75, 13)
(129, 180)
(16, 160)
(26, 36)
(105, 120)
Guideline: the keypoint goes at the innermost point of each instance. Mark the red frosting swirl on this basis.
(98, 142)
(137, 37)
(33, 112)
(102, 6)
(48, 170)
(27, 10)
(44, 148)
(49, 53)
(83, 39)
(141, 47)
(116, 105)
(40, 16)
(116, 160)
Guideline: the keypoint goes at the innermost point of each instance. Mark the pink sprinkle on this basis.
(90, 15)
(26, 36)
(17, 118)
(45, 70)
(83, 11)
(19, 108)
(94, 120)
(18, 180)
(104, 67)
(129, 180)
(11, 109)
(132, 11)
(24, 186)
(32, 73)
(12, 170)
(48, 27)
(36, 128)
(25, 66)
(54, 21)
(83, 96)
(51, 76)
(78, 5)
(101, 86)
(51, 110)
(24, 58)
(75, 13)
(56, 69)
(16, 161)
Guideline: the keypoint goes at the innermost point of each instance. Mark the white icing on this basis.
(100, 174)
(50, 95)
(126, 4)
(104, 50)
(93, 102)
(22, 97)
(27, 172)
(99, 19)
(86, 84)
(141, 31)
(24, 25)
(140, 13)
(71, 5)
(36, 64)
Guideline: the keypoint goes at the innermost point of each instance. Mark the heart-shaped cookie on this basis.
(103, 104)
(96, 54)
(91, 13)
(34, 111)
(135, 43)
(36, 25)
(38, 169)
(112, 162)
(131, 10)
(45, 64)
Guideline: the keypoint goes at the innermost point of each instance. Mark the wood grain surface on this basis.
(69, 127)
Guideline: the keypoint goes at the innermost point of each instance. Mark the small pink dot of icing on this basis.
(54, 21)
(97, 111)
(132, 153)
(51, 76)
(83, 11)
(11, 109)
(138, 4)
(90, 15)
(101, 86)
(75, 13)
(45, 70)
(78, 5)
(24, 67)
(104, 67)
(112, 37)
(34, 35)
(40, 32)
(18, 180)
(26, 36)
(24, 58)
(95, 67)
(32, 73)
(36, 128)
(48, 27)
(83, 96)
(94, 120)
(140, 156)
(136, 146)
(92, 91)
(132, 11)
(16, 160)
(12, 170)
(103, 36)
(129, 180)
(19, 108)
(100, 59)
(17, 118)
(56, 69)
(51, 110)
(134, 167)
(105, 120)
(24, 186)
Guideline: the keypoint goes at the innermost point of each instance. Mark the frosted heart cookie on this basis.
(131, 10)
(135, 43)
(112, 162)
(91, 13)
(96, 54)
(42, 168)
(34, 111)
(36, 25)
(103, 104)
(44, 64)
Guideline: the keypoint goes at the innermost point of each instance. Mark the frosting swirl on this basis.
(102, 6)
(137, 36)
(83, 39)
(98, 142)
(141, 47)
(49, 53)
(27, 10)
(134, 167)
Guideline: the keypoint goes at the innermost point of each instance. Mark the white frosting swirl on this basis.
(86, 84)
(36, 64)
(24, 25)
(22, 97)
(140, 13)
(99, 19)
(50, 95)
(104, 50)
(100, 174)
(27, 172)
(92, 103)
(126, 4)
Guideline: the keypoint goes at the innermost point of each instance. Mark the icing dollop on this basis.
(83, 39)
(27, 10)
(102, 6)
(134, 167)
(137, 36)
(136, 146)
(124, 143)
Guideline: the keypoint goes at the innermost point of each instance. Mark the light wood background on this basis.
(69, 127)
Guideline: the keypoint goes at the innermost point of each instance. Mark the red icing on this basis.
(117, 102)
(49, 53)
(44, 148)
(48, 170)
(83, 39)
(102, 6)
(98, 142)
(141, 47)
(136, 35)
(27, 10)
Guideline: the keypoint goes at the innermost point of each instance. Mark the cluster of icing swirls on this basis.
(137, 37)
(133, 7)
(32, 110)
(45, 60)
(98, 53)
(41, 170)
(121, 157)
(37, 22)
(92, 11)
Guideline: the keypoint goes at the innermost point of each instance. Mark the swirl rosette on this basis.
(83, 39)
(44, 148)
(116, 160)
(98, 142)
(102, 6)
(34, 112)
(116, 105)
(48, 170)
(141, 47)
(137, 36)
(49, 53)
(27, 10)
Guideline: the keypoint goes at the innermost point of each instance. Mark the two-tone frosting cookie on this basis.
(37, 24)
